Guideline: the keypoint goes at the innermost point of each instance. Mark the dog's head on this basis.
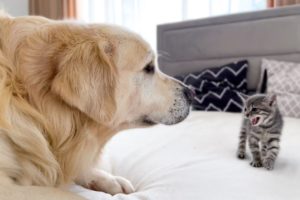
(107, 73)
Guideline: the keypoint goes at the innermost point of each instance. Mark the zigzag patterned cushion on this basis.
(217, 88)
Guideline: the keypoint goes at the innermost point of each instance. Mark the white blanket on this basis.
(196, 160)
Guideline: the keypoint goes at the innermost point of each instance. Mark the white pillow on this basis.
(284, 81)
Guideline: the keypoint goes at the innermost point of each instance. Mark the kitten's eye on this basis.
(254, 109)
(245, 109)
(149, 69)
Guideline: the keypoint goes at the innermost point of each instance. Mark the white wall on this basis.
(15, 7)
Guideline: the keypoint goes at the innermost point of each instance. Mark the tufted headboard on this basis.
(190, 46)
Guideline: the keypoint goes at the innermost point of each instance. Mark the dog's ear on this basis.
(85, 79)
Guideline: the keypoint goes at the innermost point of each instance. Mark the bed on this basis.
(196, 159)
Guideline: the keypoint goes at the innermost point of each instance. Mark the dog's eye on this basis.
(149, 69)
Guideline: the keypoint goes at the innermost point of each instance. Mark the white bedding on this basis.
(196, 160)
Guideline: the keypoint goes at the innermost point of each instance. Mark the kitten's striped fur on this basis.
(261, 126)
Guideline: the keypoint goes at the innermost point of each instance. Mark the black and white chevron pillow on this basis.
(217, 88)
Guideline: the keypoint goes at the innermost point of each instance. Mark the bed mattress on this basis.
(196, 159)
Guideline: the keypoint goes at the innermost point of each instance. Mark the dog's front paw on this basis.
(112, 185)
(268, 163)
(125, 185)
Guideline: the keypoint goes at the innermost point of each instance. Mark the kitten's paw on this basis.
(241, 155)
(256, 164)
(268, 163)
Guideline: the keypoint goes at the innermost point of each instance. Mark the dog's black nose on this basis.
(189, 94)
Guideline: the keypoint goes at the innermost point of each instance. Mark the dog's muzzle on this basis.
(189, 94)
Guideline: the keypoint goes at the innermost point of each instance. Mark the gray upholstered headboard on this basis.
(192, 45)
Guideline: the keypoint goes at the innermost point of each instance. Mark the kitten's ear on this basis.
(272, 99)
(243, 96)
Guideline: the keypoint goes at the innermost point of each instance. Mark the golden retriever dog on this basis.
(67, 88)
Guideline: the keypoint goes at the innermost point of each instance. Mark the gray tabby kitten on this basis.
(262, 124)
